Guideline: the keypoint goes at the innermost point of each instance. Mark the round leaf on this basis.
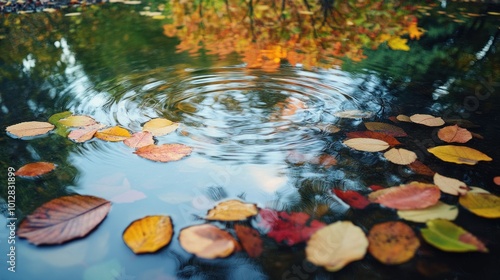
(336, 245)
(450, 185)
(164, 153)
(160, 126)
(392, 242)
(148, 234)
(35, 169)
(427, 120)
(367, 144)
(386, 128)
(232, 210)
(458, 154)
(454, 133)
(26, 129)
(486, 205)
(438, 211)
(449, 237)
(411, 196)
(400, 156)
(63, 219)
(113, 134)
(77, 121)
(207, 241)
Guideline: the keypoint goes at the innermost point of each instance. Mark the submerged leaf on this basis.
(232, 210)
(113, 134)
(207, 241)
(411, 196)
(160, 126)
(485, 205)
(450, 185)
(35, 169)
(454, 133)
(400, 156)
(63, 219)
(366, 144)
(250, 240)
(459, 154)
(26, 129)
(148, 234)
(427, 120)
(449, 237)
(438, 211)
(164, 153)
(336, 245)
(398, 44)
(392, 242)
(386, 128)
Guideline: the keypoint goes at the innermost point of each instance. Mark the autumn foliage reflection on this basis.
(309, 33)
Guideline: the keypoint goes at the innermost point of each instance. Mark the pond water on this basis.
(265, 105)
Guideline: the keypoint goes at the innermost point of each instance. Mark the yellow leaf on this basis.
(160, 126)
(482, 204)
(149, 234)
(113, 134)
(458, 154)
(398, 44)
(232, 210)
(414, 31)
(77, 121)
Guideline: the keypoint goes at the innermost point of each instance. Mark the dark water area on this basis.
(262, 94)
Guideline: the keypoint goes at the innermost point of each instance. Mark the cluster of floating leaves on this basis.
(331, 246)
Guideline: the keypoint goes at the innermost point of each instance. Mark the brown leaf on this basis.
(165, 152)
(392, 242)
(26, 129)
(454, 134)
(427, 120)
(403, 118)
(63, 219)
(232, 210)
(375, 135)
(420, 168)
(250, 240)
(35, 169)
(386, 128)
(400, 156)
(411, 196)
(207, 241)
(140, 139)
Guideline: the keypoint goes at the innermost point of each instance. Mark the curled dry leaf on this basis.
(113, 134)
(438, 211)
(250, 240)
(400, 156)
(63, 219)
(485, 205)
(449, 237)
(427, 120)
(148, 234)
(160, 126)
(336, 245)
(207, 241)
(459, 154)
(450, 185)
(232, 210)
(375, 135)
(386, 128)
(164, 153)
(366, 144)
(27, 129)
(454, 133)
(77, 121)
(84, 134)
(140, 139)
(411, 196)
(392, 242)
(35, 169)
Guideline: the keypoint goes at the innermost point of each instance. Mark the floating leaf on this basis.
(164, 153)
(148, 234)
(35, 169)
(392, 242)
(26, 129)
(420, 168)
(250, 240)
(386, 128)
(496, 180)
(352, 198)
(84, 134)
(427, 120)
(438, 211)
(403, 118)
(77, 121)
(375, 135)
(366, 144)
(485, 205)
(411, 196)
(450, 185)
(336, 245)
(140, 139)
(454, 133)
(353, 114)
(160, 126)
(232, 210)
(293, 228)
(400, 156)
(63, 219)
(398, 44)
(207, 241)
(113, 134)
(458, 154)
(449, 237)
(54, 119)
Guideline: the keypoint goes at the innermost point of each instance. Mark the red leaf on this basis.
(375, 135)
(420, 168)
(414, 195)
(352, 198)
(35, 169)
(250, 240)
(376, 187)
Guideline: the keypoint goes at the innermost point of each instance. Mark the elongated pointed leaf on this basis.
(366, 144)
(165, 152)
(486, 205)
(63, 219)
(250, 240)
(411, 196)
(459, 154)
(27, 129)
(77, 121)
(35, 169)
(148, 234)
(449, 237)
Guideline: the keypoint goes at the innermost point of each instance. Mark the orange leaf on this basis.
(63, 219)
(414, 31)
(35, 169)
(427, 120)
(375, 135)
(113, 134)
(232, 210)
(420, 168)
(140, 139)
(26, 129)
(414, 195)
(148, 234)
(324, 160)
(164, 153)
(454, 133)
(386, 128)
(392, 242)
(250, 240)
(207, 241)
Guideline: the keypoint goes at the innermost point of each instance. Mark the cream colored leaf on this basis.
(26, 129)
(450, 185)
(427, 120)
(367, 144)
(438, 211)
(207, 241)
(403, 118)
(400, 156)
(77, 121)
(160, 126)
